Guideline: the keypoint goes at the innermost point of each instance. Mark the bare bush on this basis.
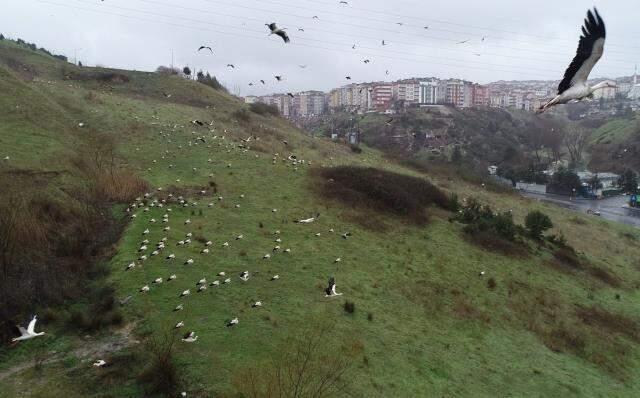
(161, 374)
(309, 366)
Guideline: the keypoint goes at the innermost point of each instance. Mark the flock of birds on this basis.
(159, 239)
(573, 87)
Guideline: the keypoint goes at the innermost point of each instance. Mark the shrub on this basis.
(370, 317)
(161, 374)
(349, 307)
(167, 71)
(382, 190)
(264, 109)
(482, 219)
(491, 284)
(355, 148)
(537, 223)
(242, 115)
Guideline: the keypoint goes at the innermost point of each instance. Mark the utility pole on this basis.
(172, 58)
(75, 55)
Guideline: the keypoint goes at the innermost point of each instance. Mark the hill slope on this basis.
(425, 322)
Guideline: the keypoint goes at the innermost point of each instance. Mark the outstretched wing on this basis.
(32, 325)
(590, 49)
(22, 330)
(284, 36)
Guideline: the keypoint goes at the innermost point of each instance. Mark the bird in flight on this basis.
(278, 78)
(315, 17)
(426, 27)
(300, 30)
(389, 121)
(302, 66)
(343, 2)
(277, 31)
(348, 77)
(232, 66)
(29, 332)
(290, 95)
(463, 41)
(482, 38)
(262, 81)
(386, 72)
(366, 61)
(383, 43)
(251, 84)
(354, 47)
(205, 47)
(573, 86)
(399, 23)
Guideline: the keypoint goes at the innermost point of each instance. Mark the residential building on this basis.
(407, 91)
(381, 96)
(455, 94)
(480, 95)
(432, 92)
(309, 103)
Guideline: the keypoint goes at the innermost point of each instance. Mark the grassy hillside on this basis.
(616, 145)
(425, 323)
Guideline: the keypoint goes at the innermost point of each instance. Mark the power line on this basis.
(331, 32)
(387, 14)
(261, 38)
(341, 44)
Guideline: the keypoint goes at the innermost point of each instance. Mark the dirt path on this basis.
(87, 350)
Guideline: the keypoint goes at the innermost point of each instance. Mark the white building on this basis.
(432, 92)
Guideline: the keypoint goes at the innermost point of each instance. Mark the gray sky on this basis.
(535, 39)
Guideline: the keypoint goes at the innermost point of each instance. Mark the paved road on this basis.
(614, 208)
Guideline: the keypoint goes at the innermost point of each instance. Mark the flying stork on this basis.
(205, 47)
(573, 86)
(29, 332)
(277, 31)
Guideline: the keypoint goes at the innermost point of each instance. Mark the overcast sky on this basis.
(533, 39)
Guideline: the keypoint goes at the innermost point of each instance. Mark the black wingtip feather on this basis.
(592, 30)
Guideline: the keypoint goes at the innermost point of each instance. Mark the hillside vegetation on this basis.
(553, 317)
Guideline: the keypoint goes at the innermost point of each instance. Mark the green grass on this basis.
(437, 330)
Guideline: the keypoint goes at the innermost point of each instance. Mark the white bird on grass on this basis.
(190, 337)
(29, 332)
(179, 307)
(185, 293)
(308, 220)
(233, 322)
(330, 291)
(100, 363)
(179, 324)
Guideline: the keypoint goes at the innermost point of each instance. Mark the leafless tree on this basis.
(308, 367)
(575, 140)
